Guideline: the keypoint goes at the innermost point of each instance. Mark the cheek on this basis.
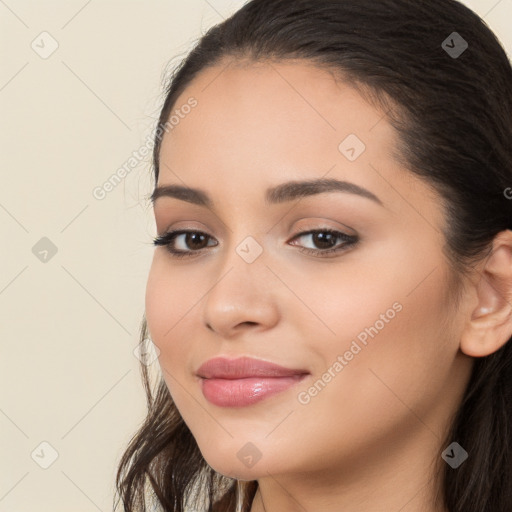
(166, 317)
(170, 292)
(392, 327)
(157, 301)
(396, 357)
(169, 305)
(386, 292)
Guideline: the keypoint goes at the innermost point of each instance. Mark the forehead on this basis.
(265, 97)
(284, 113)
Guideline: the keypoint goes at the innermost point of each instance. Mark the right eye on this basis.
(192, 239)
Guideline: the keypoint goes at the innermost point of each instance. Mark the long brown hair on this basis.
(453, 115)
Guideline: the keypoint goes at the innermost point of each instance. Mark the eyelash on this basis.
(167, 239)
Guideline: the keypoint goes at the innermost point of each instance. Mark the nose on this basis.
(241, 297)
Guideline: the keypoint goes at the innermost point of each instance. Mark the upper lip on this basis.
(243, 367)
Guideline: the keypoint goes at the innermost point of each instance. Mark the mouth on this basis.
(244, 392)
(245, 381)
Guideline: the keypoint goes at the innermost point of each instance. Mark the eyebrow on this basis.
(274, 195)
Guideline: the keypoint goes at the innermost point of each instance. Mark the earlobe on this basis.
(490, 324)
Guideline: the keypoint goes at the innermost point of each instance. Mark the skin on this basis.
(370, 439)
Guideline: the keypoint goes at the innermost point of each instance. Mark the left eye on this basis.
(325, 238)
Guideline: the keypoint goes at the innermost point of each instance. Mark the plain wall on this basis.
(69, 321)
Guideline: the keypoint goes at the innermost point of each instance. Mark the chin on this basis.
(244, 463)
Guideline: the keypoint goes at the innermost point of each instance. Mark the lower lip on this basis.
(243, 392)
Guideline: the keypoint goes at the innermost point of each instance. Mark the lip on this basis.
(245, 380)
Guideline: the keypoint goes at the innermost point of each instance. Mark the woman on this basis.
(331, 288)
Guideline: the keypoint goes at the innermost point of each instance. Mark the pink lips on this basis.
(244, 381)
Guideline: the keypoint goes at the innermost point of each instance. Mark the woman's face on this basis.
(370, 325)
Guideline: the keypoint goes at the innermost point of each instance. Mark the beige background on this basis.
(69, 325)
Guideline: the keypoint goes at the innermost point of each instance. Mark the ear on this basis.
(490, 325)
